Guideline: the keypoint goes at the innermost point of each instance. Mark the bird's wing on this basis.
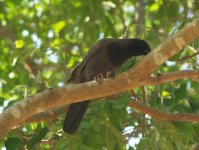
(92, 52)
(73, 75)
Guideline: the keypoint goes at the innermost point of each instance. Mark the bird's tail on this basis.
(74, 116)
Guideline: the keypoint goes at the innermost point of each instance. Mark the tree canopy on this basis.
(41, 42)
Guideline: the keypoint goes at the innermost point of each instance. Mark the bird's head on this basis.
(136, 47)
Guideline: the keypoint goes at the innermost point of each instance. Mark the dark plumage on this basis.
(104, 57)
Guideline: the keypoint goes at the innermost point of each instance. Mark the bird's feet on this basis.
(99, 77)
(110, 74)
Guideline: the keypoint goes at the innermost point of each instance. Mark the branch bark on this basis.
(172, 76)
(168, 77)
(135, 77)
(139, 17)
(46, 115)
(163, 116)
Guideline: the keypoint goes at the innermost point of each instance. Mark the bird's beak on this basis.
(147, 51)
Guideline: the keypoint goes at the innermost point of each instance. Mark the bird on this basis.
(101, 61)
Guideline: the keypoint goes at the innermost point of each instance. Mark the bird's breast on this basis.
(96, 66)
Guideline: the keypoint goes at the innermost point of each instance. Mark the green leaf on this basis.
(13, 143)
(180, 92)
(92, 138)
(39, 135)
(154, 7)
(57, 27)
(19, 43)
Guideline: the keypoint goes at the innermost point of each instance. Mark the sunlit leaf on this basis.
(57, 27)
(165, 93)
(154, 7)
(19, 43)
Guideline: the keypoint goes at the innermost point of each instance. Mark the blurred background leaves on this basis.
(42, 41)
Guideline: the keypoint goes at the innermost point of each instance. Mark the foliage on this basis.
(40, 41)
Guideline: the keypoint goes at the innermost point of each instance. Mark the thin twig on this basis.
(187, 57)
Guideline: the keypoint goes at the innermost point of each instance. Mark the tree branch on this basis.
(187, 57)
(46, 115)
(135, 77)
(139, 17)
(6, 33)
(135, 104)
(172, 76)
(55, 112)
(168, 77)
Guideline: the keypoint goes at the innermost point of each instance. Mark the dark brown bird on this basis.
(103, 59)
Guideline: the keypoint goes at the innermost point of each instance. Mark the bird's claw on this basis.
(99, 77)
(110, 74)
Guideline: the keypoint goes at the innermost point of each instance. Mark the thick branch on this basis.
(135, 104)
(168, 77)
(46, 115)
(165, 50)
(135, 77)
